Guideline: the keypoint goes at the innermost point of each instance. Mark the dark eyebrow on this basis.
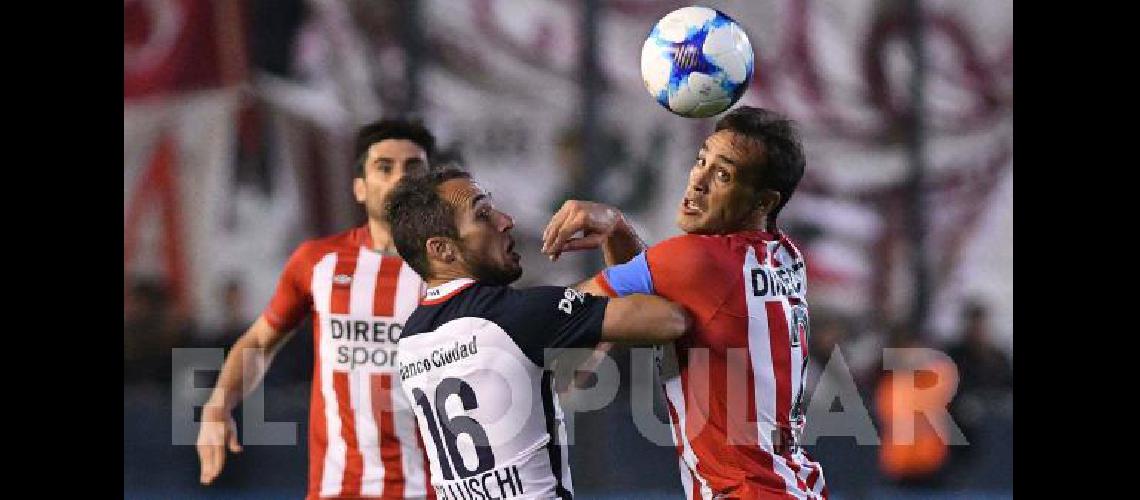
(727, 160)
(478, 198)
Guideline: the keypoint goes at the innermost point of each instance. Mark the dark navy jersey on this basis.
(471, 361)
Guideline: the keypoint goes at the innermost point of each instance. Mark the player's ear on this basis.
(359, 189)
(767, 200)
(441, 249)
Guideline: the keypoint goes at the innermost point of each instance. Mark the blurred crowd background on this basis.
(238, 123)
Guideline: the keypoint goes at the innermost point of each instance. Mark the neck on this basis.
(446, 275)
(381, 236)
(758, 221)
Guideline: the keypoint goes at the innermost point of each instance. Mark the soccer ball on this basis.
(696, 62)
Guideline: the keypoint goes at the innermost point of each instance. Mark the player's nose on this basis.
(698, 180)
(506, 222)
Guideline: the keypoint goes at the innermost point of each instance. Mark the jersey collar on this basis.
(441, 293)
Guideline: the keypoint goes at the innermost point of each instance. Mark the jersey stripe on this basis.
(676, 388)
(318, 425)
(801, 487)
(389, 441)
(332, 472)
(781, 365)
(413, 455)
(387, 284)
(776, 313)
(341, 295)
(687, 479)
(365, 283)
(362, 390)
(761, 371)
(341, 303)
(353, 461)
(408, 295)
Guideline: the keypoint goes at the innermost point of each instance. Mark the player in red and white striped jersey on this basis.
(363, 441)
(734, 383)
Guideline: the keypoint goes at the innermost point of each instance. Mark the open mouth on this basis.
(511, 250)
(690, 207)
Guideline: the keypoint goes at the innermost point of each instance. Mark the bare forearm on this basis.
(644, 319)
(245, 366)
(622, 245)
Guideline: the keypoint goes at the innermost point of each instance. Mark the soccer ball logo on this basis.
(696, 62)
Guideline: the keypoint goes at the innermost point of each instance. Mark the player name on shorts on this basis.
(363, 343)
(439, 358)
(497, 484)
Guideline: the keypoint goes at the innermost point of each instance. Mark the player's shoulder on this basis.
(689, 244)
(473, 301)
(344, 239)
(691, 251)
(789, 246)
(312, 249)
(518, 308)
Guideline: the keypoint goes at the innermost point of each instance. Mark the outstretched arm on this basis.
(218, 430)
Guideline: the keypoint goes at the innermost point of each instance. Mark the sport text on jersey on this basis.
(500, 483)
(363, 343)
(439, 358)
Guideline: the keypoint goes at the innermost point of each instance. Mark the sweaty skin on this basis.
(460, 192)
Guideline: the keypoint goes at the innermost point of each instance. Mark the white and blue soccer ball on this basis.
(696, 62)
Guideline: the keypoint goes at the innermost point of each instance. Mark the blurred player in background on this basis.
(474, 353)
(737, 411)
(362, 438)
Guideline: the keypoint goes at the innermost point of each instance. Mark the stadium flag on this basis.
(223, 172)
(172, 46)
(157, 190)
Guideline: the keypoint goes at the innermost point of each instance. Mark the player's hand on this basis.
(218, 432)
(596, 222)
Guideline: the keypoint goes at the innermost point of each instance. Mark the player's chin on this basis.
(509, 273)
(690, 223)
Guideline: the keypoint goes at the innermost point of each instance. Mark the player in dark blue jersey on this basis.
(472, 357)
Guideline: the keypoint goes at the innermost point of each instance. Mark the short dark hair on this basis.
(391, 128)
(416, 212)
(783, 162)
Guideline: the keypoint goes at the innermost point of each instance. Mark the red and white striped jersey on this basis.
(734, 382)
(363, 441)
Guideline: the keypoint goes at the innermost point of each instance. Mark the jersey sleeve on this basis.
(290, 301)
(551, 317)
(626, 279)
(683, 269)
